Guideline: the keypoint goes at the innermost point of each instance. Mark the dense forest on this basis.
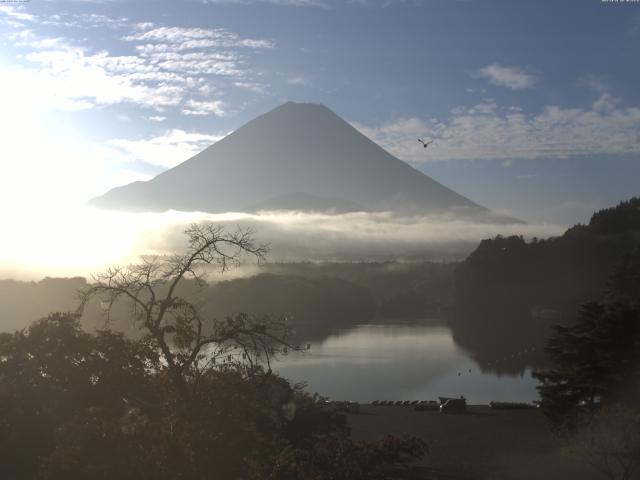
(510, 292)
(590, 391)
(596, 360)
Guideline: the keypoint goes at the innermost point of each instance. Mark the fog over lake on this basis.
(89, 240)
(399, 362)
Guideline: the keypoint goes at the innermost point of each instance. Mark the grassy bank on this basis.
(480, 444)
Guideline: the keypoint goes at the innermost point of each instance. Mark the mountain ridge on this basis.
(294, 149)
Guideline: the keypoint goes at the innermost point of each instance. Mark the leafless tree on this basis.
(189, 343)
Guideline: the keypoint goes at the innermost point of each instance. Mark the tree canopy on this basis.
(596, 361)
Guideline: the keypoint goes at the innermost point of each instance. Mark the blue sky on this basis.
(533, 106)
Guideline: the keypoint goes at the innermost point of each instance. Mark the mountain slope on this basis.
(295, 149)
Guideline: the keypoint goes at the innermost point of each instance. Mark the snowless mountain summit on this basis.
(299, 156)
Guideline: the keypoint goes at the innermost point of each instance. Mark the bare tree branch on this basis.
(176, 325)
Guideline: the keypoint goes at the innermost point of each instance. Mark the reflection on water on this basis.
(399, 362)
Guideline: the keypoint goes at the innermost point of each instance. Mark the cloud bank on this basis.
(89, 240)
(169, 67)
(490, 131)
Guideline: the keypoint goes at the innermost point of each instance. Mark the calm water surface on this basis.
(399, 362)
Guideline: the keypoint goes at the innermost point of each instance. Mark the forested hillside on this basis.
(509, 292)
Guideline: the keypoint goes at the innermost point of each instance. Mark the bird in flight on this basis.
(425, 145)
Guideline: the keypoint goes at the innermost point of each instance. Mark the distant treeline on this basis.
(24, 302)
(398, 289)
(315, 297)
(509, 292)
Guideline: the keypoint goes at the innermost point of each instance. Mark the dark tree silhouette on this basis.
(53, 374)
(188, 342)
(596, 361)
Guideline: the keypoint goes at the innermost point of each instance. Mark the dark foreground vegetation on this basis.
(596, 360)
(591, 392)
(187, 398)
(100, 406)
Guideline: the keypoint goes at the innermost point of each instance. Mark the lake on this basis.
(399, 362)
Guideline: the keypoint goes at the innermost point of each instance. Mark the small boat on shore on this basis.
(454, 405)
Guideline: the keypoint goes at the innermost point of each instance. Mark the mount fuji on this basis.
(299, 156)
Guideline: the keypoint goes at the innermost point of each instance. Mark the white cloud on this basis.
(70, 78)
(172, 68)
(319, 3)
(198, 64)
(168, 150)
(253, 86)
(487, 131)
(186, 38)
(85, 21)
(26, 38)
(512, 77)
(298, 80)
(286, 3)
(194, 107)
(13, 15)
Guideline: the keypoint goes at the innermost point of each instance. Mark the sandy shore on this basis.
(480, 444)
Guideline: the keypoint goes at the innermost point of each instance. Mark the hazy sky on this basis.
(534, 105)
